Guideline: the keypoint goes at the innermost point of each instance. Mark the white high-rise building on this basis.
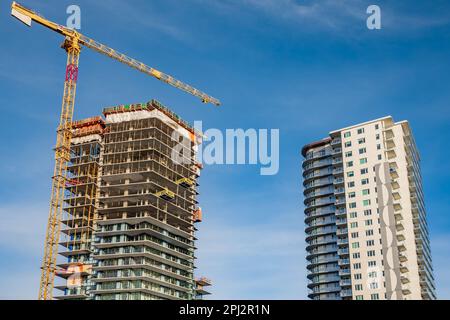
(366, 229)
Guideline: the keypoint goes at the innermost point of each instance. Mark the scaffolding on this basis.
(79, 210)
(130, 210)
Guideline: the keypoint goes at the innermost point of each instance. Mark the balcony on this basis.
(319, 202)
(403, 257)
(344, 272)
(336, 141)
(336, 151)
(406, 290)
(308, 165)
(390, 154)
(400, 236)
(401, 246)
(341, 213)
(395, 185)
(403, 268)
(318, 251)
(73, 293)
(320, 260)
(396, 195)
(388, 134)
(314, 242)
(345, 283)
(319, 223)
(404, 279)
(341, 221)
(321, 269)
(346, 293)
(318, 213)
(399, 226)
(394, 173)
(343, 251)
(344, 262)
(317, 280)
(319, 231)
(343, 241)
(316, 174)
(390, 144)
(397, 207)
(336, 161)
(398, 216)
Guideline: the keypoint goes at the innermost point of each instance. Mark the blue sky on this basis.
(304, 67)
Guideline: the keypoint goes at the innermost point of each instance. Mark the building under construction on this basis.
(129, 209)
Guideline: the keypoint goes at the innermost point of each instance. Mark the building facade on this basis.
(130, 208)
(366, 229)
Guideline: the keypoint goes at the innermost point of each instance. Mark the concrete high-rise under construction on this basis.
(366, 229)
(130, 210)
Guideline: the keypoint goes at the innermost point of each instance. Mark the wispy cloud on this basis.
(338, 16)
(143, 17)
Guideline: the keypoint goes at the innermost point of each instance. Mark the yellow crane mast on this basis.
(72, 45)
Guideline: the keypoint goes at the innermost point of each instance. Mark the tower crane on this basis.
(72, 44)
